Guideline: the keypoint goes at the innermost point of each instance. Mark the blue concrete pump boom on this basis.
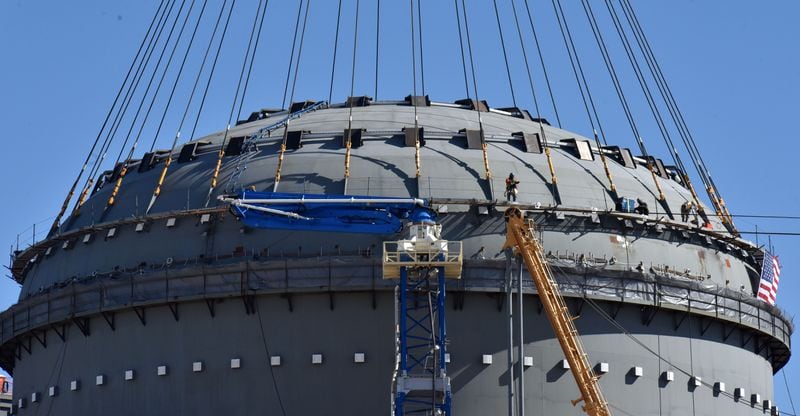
(334, 213)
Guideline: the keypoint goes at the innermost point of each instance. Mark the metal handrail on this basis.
(153, 288)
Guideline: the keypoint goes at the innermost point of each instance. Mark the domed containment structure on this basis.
(184, 310)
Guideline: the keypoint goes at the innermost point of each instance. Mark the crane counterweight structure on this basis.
(520, 235)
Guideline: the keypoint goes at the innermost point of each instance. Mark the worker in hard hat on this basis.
(511, 187)
(686, 210)
(641, 207)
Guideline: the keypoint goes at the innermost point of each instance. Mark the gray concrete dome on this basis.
(188, 283)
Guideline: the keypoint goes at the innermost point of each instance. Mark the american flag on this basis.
(770, 275)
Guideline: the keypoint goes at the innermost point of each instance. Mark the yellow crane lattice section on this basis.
(520, 235)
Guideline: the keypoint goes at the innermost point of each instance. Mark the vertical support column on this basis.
(510, 306)
(521, 338)
(442, 341)
(402, 316)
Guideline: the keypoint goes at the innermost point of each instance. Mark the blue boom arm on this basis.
(334, 213)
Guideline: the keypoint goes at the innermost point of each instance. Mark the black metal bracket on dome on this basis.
(418, 100)
(471, 104)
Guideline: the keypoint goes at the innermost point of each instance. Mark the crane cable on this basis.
(553, 178)
(239, 86)
(180, 72)
(461, 45)
(241, 162)
(291, 53)
(377, 43)
(351, 101)
(291, 95)
(124, 164)
(335, 50)
(577, 69)
(414, 93)
(618, 86)
(505, 54)
(541, 61)
(282, 149)
(421, 54)
(168, 162)
(652, 106)
(601, 44)
(477, 97)
(122, 110)
(57, 222)
(678, 119)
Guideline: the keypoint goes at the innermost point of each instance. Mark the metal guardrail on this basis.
(199, 282)
(450, 257)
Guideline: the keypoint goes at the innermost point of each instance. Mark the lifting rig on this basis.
(520, 236)
(421, 263)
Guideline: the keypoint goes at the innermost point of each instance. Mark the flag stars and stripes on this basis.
(770, 276)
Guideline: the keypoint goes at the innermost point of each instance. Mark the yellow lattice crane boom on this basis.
(520, 235)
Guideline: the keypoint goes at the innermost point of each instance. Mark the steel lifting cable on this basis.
(414, 89)
(180, 72)
(573, 55)
(679, 120)
(252, 57)
(239, 169)
(553, 178)
(124, 169)
(541, 61)
(291, 54)
(461, 45)
(505, 54)
(291, 97)
(377, 43)
(788, 392)
(643, 85)
(348, 144)
(213, 67)
(663, 87)
(122, 110)
(71, 193)
(601, 44)
(477, 97)
(621, 95)
(577, 69)
(168, 161)
(282, 150)
(421, 53)
(239, 86)
(335, 50)
(647, 61)
(652, 105)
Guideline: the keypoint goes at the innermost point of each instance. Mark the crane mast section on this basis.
(520, 235)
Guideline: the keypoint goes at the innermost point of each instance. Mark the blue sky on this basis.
(733, 66)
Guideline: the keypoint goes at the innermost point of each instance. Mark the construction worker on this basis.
(511, 187)
(686, 210)
(641, 207)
